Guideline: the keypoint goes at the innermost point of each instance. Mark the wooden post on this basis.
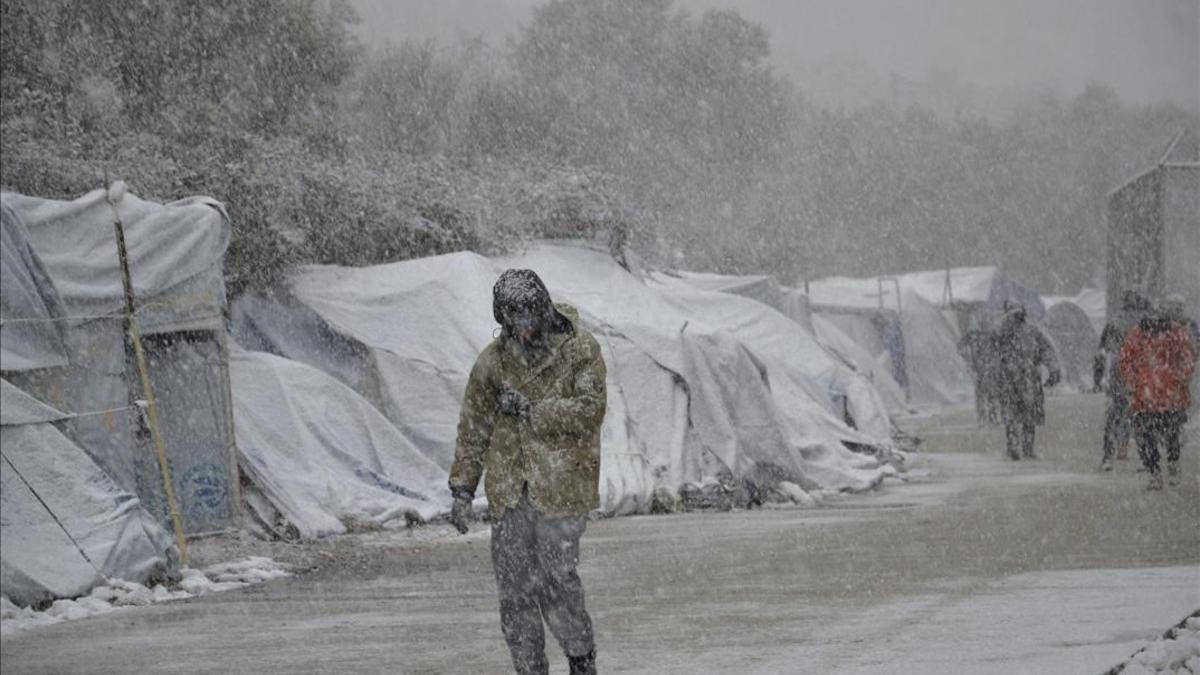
(131, 329)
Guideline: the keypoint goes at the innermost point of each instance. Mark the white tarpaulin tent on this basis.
(801, 377)
(32, 334)
(958, 286)
(793, 348)
(761, 287)
(874, 367)
(686, 398)
(1091, 300)
(64, 524)
(321, 455)
(869, 309)
(176, 254)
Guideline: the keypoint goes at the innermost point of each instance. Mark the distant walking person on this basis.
(1158, 358)
(531, 420)
(1118, 418)
(978, 349)
(1022, 352)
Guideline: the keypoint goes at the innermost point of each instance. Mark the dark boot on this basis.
(583, 665)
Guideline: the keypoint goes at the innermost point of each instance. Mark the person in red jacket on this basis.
(1157, 361)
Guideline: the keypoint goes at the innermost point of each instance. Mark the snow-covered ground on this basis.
(119, 594)
(971, 564)
(1077, 621)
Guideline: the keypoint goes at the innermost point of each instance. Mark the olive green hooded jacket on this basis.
(556, 449)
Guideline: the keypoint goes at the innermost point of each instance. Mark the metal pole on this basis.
(235, 485)
(131, 330)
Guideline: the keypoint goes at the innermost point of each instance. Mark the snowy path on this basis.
(977, 565)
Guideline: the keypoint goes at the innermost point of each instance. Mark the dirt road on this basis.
(975, 564)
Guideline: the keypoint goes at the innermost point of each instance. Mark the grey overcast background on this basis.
(853, 51)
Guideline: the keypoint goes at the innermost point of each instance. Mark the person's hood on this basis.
(517, 287)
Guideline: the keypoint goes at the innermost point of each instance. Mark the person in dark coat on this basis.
(978, 349)
(530, 430)
(1118, 418)
(1023, 351)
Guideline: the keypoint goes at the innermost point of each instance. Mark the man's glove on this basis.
(513, 403)
(460, 511)
(1054, 378)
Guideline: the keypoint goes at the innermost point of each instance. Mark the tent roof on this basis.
(966, 284)
(175, 254)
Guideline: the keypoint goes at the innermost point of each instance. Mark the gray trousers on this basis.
(534, 556)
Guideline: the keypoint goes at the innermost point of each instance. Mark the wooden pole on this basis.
(131, 329)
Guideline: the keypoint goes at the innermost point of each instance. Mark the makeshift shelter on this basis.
(761, 287)
(877, 369)
(793, 304)
(811, 388)
(66, 525)
(319, 458)
(72, 351)
(1074, 340)
(1091, 301)
(963, 292)
(1154, 229)
(686, 399)
(894, 320)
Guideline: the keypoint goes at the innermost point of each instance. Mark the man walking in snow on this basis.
(978, 350)
(530, 421)
(1022, 352)
(1157, 361)
(1118, 418)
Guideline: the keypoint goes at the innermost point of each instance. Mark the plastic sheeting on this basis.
(1091, 300)
(857, 356)
(937, 375)
(323, 456)
(963, 285)
(32, 334)
(797, 362)
(64, 524)
(1074, 340)
(688, 397)
(176, 253)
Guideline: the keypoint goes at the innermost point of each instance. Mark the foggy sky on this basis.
(1148, 50)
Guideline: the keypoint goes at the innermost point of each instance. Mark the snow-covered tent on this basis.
(805, 381)
(78, 361)
(1090, 300)
(64, 524)
(687, 398)
(761, 287)
(793, 304)
(319, 457)
(917, 341)
(876, 368)
(964, 290)
(32, 333)
(1074, 340)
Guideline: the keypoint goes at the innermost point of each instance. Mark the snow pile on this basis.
(118, 594)
(1176, 652)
